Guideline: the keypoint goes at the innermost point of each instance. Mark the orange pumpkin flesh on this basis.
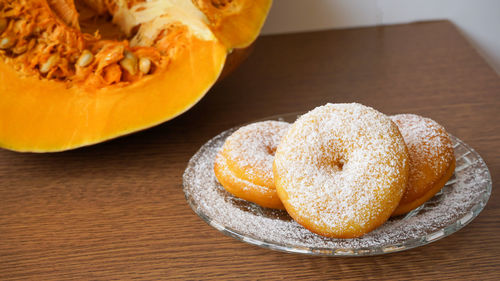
(65, 107)
(75, 117)
(235, 23)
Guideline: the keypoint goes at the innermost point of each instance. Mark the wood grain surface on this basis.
(117, 210)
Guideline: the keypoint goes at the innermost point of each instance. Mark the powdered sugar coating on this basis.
(244, 164)
(250, 150)
(459, 202)
(430, 150)
(341, 169)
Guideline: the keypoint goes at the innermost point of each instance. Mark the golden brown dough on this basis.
(244, 163)
(432, 160)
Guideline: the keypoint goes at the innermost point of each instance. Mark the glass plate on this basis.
(458, 203)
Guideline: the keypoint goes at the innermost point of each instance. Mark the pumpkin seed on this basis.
(7, 42)
(144, 65)
(129, 63)
(3, 24)
(85, 58)
(51, 62)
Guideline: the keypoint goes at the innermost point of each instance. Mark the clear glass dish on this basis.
(457, 204)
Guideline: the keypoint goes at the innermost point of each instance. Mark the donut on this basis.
(432, 160)
(341, 170)
(244, 164)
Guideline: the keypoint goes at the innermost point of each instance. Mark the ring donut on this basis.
(244, 164)
(341, 170)
(432, 160)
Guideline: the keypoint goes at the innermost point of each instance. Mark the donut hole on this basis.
(340, 164)
(334, 164)
(333, 155)
(271, 150)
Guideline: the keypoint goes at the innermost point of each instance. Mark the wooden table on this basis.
(117, 210)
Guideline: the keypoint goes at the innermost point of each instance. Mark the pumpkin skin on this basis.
(48, 115)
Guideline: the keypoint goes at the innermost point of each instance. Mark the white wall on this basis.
(479, 20)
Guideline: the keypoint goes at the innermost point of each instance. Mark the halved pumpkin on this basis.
(62, 87)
